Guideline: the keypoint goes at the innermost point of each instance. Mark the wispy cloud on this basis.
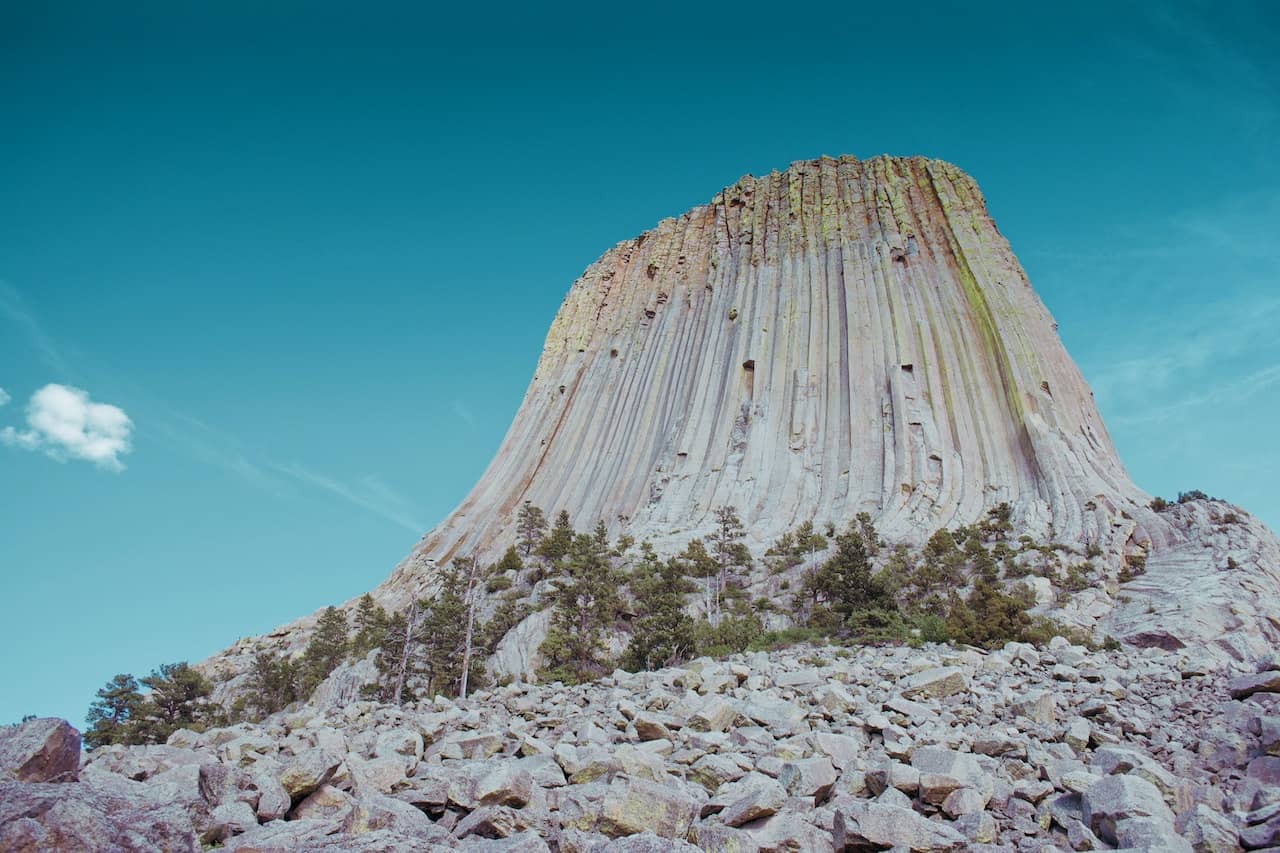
(14, 309)
(4, 397)
(1225, 394)
(1216, 332)
(463, 412)
(64, 423)
(369, 492)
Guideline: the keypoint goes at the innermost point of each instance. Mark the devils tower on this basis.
(840, 337)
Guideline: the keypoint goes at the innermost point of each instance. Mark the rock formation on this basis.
(844, 336)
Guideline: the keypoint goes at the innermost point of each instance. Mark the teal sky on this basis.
(311, 256)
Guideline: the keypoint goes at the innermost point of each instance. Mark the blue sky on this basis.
(311, 257)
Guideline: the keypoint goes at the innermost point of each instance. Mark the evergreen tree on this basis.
(556, 544)
(942, 566)
(509, 613)
(273, 683)
(397, 658)
(663, 635)
(178, 698)
(987, 616)
(729, 552)
(327, 648)
(845, 581)
(111, 715)
(510, 562)
(999, 522)
(699, 563)
(531, 524)
(370, 625)
(442, 636)
(584, 602)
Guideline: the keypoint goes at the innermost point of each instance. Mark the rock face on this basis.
(840, 337)
(844, 336)
(1169, 762)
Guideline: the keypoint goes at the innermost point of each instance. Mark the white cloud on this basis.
(4, 397)
(65, 424)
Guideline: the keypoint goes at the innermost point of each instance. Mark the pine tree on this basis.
(999, 522)
(510, 562)
(111, 715)
(510, 612)
(370, 625)
(584, 602)
(663, 635)
(327, 649)
(556, 544)
(397, 659)
(728, 550)
(178, 698)
(699, 563)
(846, 581)
(442, 637)
(531, 524)
(273, 683)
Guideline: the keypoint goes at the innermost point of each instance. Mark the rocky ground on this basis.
(806, 749)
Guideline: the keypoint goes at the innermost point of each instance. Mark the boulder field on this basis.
(806, 749)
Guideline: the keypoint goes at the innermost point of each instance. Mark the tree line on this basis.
(957, 587)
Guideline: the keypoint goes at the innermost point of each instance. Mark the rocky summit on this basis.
(808, 749)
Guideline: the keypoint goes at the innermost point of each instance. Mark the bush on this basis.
(734, 634)
(1159, 504)
(1193, 495)
(877, 625)
(932, 628)
(774, 640)
(498, 583)
(1135, 566)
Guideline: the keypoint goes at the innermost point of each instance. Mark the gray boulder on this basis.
(41, 750)
(859, 825)
(1114, 799)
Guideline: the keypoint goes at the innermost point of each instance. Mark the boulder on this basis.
(809, 777)
(714, 715)
(372, 812)
(1037, 705)
(504, 785)
(41, 750)
(1244, 686)
(943, 771)
(324, 803)
(307, 771)
(1118, 798)
(859, 825)
(43, 818)
(760, 800)
(633, 805)
(230, 818)
(934, 683)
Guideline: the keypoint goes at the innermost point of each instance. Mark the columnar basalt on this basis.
(844, 336)
(840, 337)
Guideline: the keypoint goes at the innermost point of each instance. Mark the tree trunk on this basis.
(411, 625)
(471, 615)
